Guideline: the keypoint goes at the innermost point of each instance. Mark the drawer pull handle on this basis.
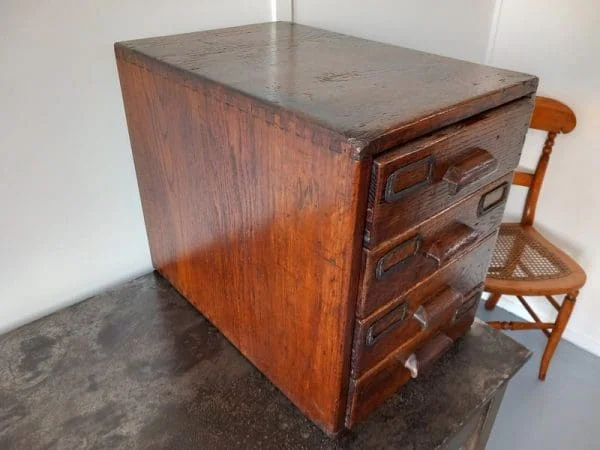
(398, 256)
(432, 312)
(492, 199)
(472, 299)
(426, 355)
(476, 165)
(408, 178)
(458, 237)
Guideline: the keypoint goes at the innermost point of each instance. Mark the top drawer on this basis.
(420, 179)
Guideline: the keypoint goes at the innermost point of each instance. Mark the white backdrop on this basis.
(71, 221)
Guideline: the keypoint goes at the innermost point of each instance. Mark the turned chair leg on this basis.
(557, 331)
(491, 302)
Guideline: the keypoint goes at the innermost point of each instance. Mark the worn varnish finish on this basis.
(254, 149)
(371, 95)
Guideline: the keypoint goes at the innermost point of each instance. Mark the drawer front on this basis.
(377, 385)
(397, 264)
(416, 181)
(367, 393)
(432, 304)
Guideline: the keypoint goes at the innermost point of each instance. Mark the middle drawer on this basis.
(397, 264)
(436, 302)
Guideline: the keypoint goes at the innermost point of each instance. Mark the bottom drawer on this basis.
(385, 341)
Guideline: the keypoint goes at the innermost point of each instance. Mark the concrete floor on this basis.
(562, 412)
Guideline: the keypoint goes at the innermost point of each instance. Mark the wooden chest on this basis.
(329, 203)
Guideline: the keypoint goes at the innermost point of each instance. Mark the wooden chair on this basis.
(524, 262)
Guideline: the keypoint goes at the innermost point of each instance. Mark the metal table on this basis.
(138, 367)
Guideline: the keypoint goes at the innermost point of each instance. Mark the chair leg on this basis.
(491, 302)
(557, 331)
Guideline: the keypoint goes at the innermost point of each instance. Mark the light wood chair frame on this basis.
(553, 117)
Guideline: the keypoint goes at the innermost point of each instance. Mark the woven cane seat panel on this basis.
(519, 257)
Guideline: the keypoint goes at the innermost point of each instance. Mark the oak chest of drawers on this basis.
(329, 203)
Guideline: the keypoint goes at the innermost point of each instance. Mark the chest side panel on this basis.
(264, 241)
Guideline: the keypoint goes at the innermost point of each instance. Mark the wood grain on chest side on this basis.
(259, 227)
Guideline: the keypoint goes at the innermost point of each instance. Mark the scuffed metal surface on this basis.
(138, 367)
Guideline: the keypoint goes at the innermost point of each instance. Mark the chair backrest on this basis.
(554, 117)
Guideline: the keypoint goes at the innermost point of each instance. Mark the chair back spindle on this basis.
(537, 181)
(553, 117)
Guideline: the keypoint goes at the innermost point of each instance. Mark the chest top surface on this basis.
(372, 95)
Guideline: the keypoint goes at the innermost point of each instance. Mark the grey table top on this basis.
(139, 367)
(361, 90)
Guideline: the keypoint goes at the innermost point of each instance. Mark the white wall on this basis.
(459, 28)
(70, 221)
(560, 42)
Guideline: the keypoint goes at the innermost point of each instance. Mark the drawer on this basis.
(399, 263)
(420, 179)
(432, 304)
(367, 393)
(384, 380)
